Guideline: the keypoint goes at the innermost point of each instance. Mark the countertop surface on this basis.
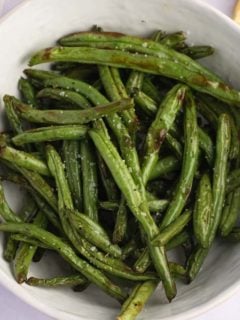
(13, 308)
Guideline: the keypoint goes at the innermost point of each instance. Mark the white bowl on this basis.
(37, 24)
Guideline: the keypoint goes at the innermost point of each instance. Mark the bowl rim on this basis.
(55, 313)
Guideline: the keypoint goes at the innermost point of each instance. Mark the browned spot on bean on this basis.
(159, 139)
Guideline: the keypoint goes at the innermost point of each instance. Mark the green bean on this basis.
(173, 39)
(72, 280)
(142, 100)
(206, 144)
(143, 261)
(188, 166)
(40, 186)
(207, 113)
(135, 302)
(178, 240)
(115, 90)
(173, 229)
(71, 116)
(195, 262)
(28, 240)
(47, 210)
(230, 215)
(9, 216)
(27, 91)
(159, 60)
(13, 118)
(52, 133)
(92, 232)
(111, 265)
(27, 211)
(107, 180)
(89, 179)
(133, 197)
(164, 166)
(74, 98)
(40, 75)
(129, 248)
(134, 82)
(56, 167)
(174, 145)
(178, 270)
(160, 126)
(109, 205)
(5, 211)
(151, 90)
(147, 104)
(150, 48)
(23, 159)
(223, 141)
(233, 180)
(203, 211)
(73, 171)
(26, 252)
(10, 249)
(156, 205)
(120, 227)
(91, 273)
(88, 91)
(198, 52)
(218, 108)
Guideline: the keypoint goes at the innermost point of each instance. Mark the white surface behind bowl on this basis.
(38, 24)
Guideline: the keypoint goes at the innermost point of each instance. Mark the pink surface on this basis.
(13, 308)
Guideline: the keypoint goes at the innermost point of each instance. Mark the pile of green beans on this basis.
(127, 148)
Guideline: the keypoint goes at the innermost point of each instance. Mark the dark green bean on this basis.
(89, 179)
(72, 97)
(26, 252)
(230, 213)
(173, 229)
(198, 52)
(189, 164)
(174, 145)
(72, 280)
(164, 166)
(203, 211)
(120, 227)
(71, 154)
(107, 180)
(40, 186)
(220, 173)
(23, 159)
(27, 91)
(70, 116)
(195, 262)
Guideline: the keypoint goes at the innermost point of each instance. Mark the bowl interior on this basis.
(37, 24)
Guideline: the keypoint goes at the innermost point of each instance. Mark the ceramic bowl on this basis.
(37, 24)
